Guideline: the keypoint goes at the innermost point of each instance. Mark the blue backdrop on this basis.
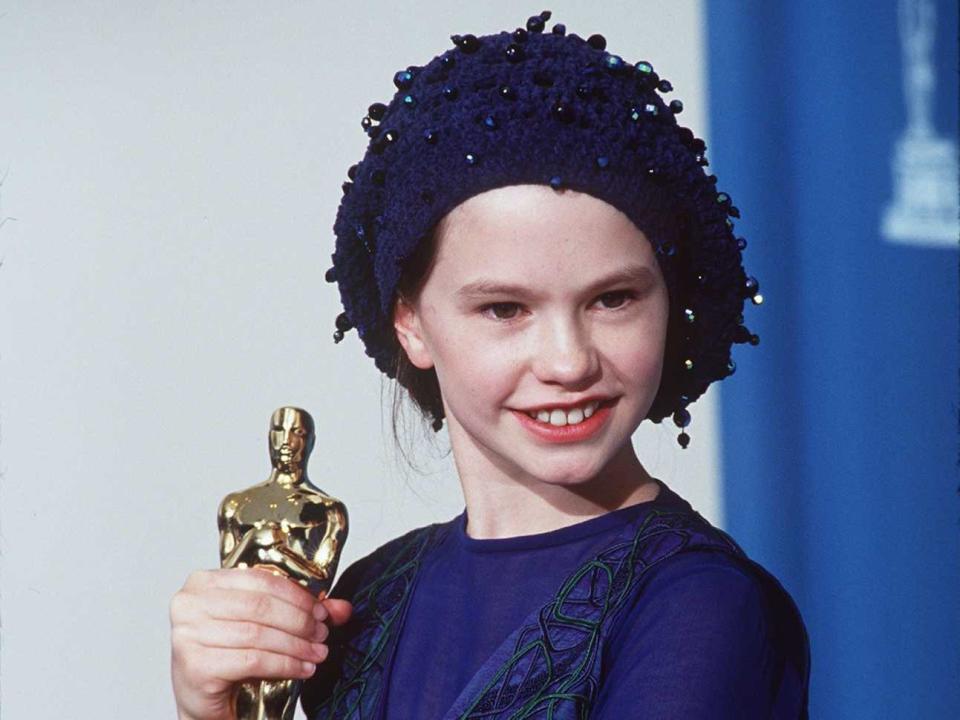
(840, 430)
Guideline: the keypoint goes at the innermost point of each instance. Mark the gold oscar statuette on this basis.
(290, 527)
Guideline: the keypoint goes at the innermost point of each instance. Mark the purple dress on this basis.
(644, 612)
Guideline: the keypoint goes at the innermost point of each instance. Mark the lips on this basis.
(546, 432)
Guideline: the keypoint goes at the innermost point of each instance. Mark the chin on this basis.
(566, 471)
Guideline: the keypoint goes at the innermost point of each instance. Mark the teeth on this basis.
(560, 417)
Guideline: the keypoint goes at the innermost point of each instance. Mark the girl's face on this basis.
(546, 303)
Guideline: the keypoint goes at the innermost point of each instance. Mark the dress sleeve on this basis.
(697, 644)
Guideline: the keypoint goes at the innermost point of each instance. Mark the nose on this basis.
(566, 354)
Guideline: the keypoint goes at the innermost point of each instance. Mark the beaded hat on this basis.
(550, 108)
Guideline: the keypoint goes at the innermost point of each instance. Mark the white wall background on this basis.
(172, 171)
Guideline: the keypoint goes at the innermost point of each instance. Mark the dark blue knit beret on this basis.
(548, 108)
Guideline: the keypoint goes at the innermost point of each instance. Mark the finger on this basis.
(235, 665)
(339, 610)
(226, 634)
(259, 607)
(254, 579)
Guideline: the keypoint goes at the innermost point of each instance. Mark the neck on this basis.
(288, 476)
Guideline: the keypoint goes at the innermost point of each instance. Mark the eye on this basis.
(501, 310)
(616, 298)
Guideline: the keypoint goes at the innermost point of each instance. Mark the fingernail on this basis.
(320, 612)
(309, 667)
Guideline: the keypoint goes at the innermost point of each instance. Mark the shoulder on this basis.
(705, 587)
(715, 627)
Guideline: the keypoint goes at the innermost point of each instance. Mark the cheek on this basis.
(637, 357)
(473, 366)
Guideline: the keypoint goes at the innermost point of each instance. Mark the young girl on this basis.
(532, 248)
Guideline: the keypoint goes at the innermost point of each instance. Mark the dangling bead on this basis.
(376, 111)
(337, 336)
(520, 35)
(559, 29)
(754, 339)
(665, 86)
(556, 182)
(535, 24)
(688, 315)
(681, 418)
(676, 107)
(343, 322)
(741, 243)
(331, 275)
(688, 364)
(683, 439)
(758, 299)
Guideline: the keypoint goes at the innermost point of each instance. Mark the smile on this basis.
(560, 417)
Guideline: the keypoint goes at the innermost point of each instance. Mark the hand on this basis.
(234, 624)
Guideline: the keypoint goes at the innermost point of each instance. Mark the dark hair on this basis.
(423, 387)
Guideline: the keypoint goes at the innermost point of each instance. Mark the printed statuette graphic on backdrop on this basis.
(924, 208)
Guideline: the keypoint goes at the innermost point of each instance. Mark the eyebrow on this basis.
(485, 288)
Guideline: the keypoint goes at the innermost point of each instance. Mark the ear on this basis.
(406, 323)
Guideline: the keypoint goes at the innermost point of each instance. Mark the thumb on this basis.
(340, 610)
